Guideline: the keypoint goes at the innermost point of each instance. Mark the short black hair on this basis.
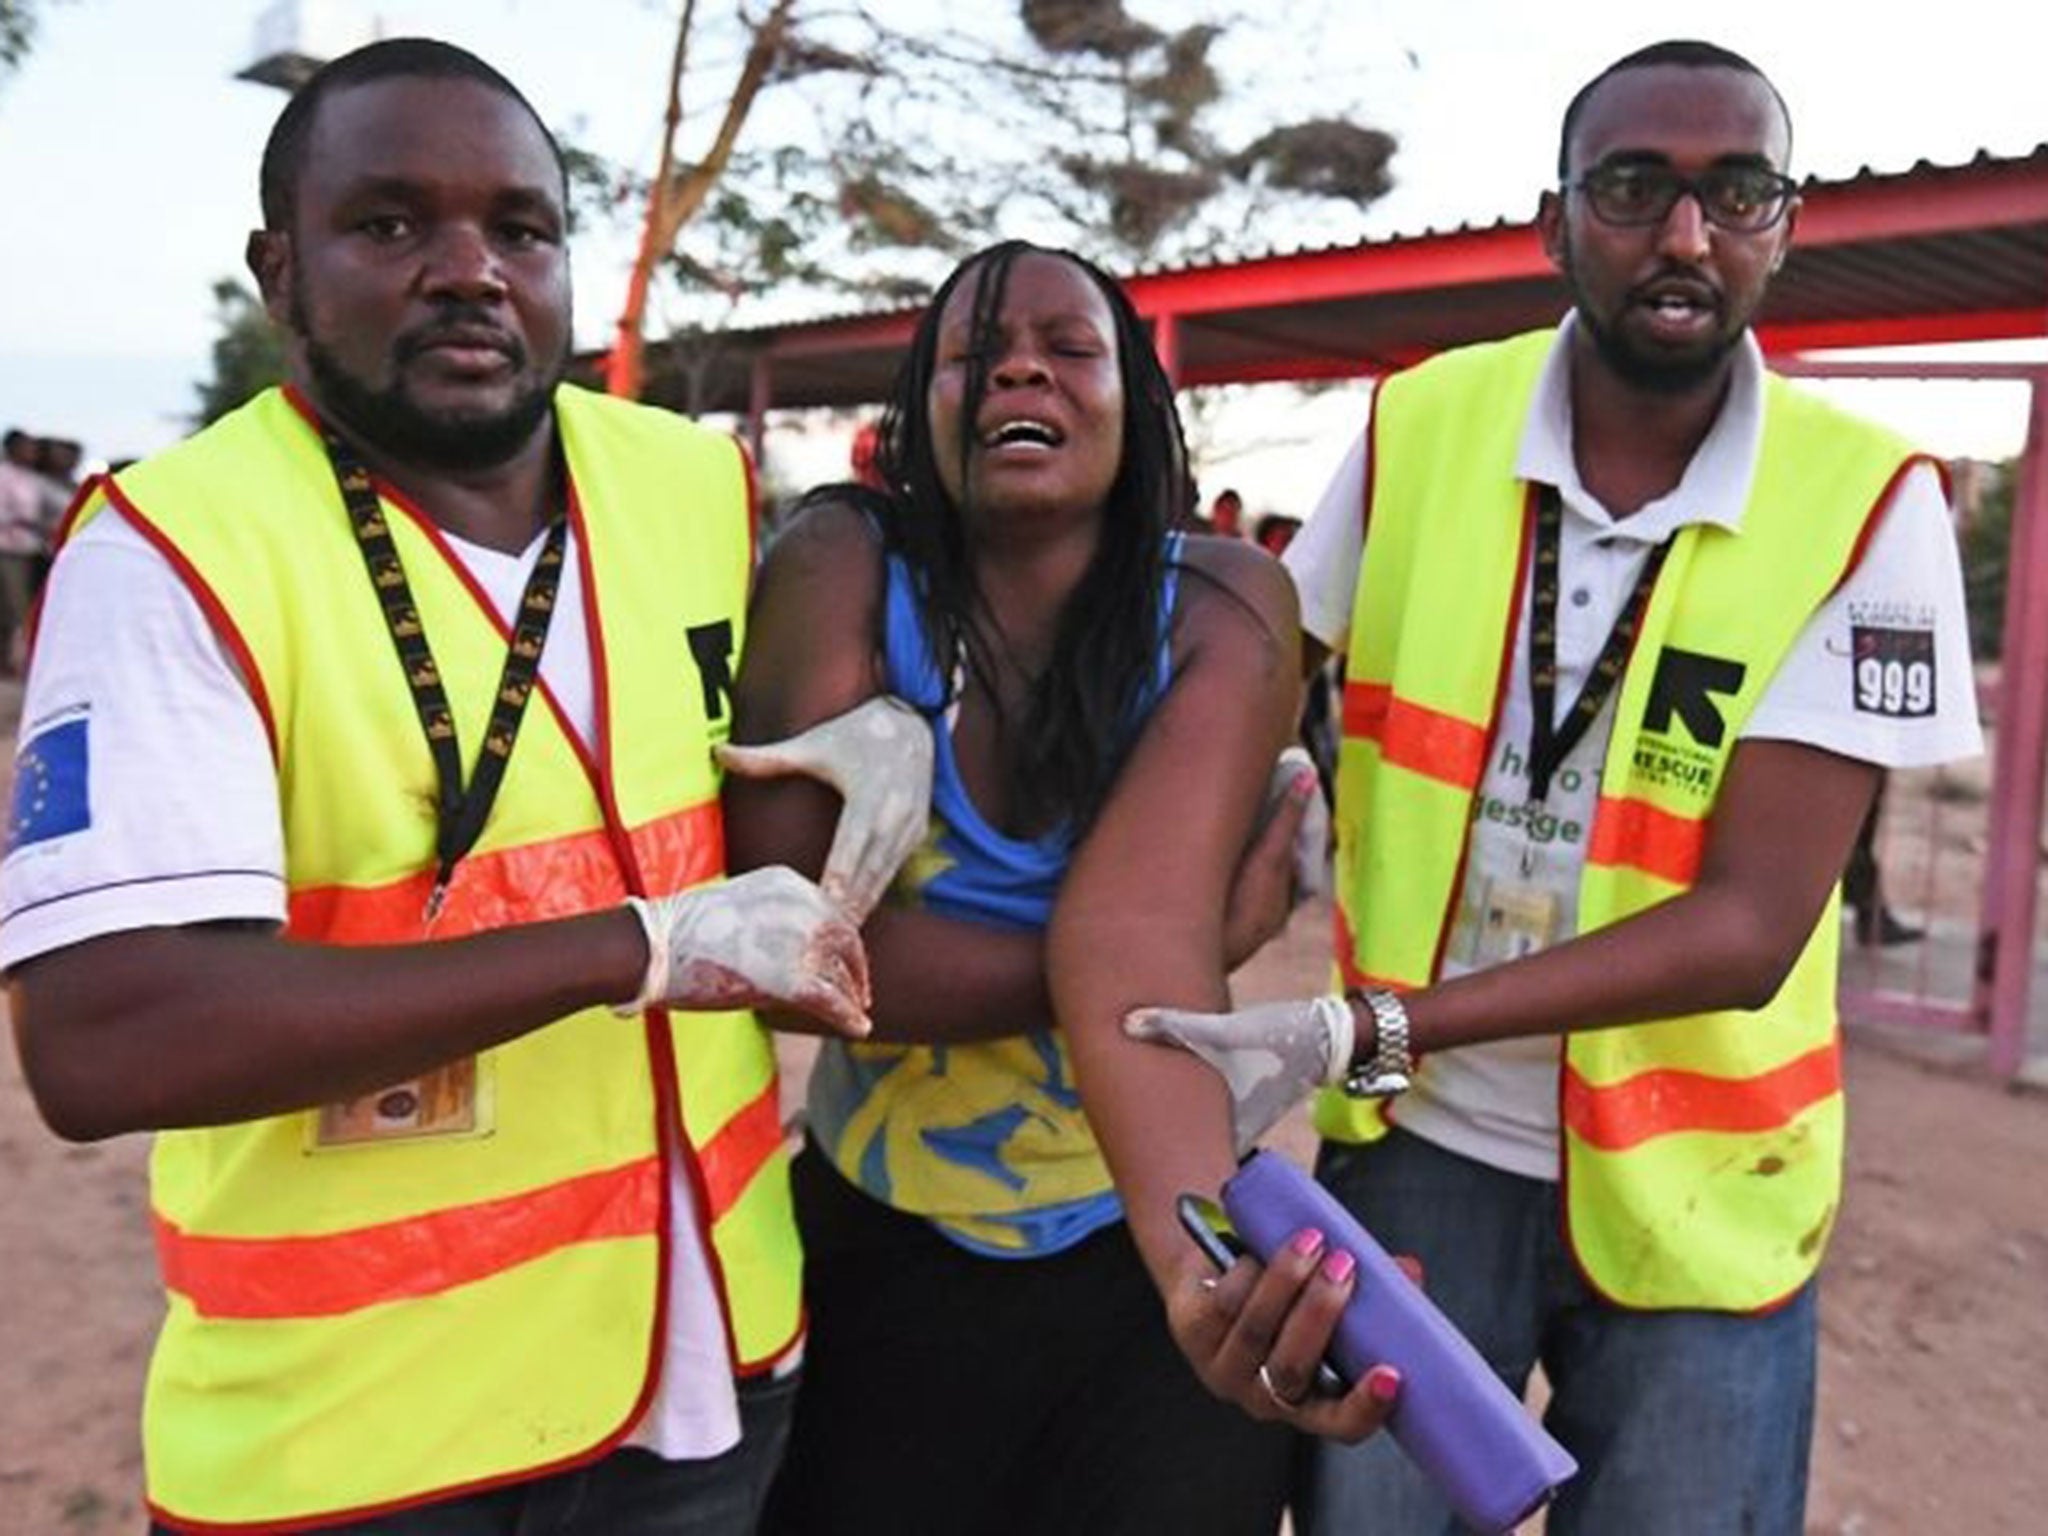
(393, 58)
(1687, 53)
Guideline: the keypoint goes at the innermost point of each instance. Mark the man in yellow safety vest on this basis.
(366, 845)
(1631, 629)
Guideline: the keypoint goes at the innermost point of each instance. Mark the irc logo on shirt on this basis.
(50, 777)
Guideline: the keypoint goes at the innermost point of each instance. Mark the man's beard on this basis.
(390, 420)
(1655, 373)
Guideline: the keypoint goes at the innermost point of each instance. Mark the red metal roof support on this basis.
(1166, 342)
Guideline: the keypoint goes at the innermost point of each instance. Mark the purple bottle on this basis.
(1493, 1463)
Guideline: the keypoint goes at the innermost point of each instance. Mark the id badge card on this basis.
(454, 1100)
(1512, 918)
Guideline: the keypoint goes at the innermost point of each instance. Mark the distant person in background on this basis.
(1863, 889)
(862, 456)
(57, 462)
(21, 541)
(1226, 515)
(1274, 531)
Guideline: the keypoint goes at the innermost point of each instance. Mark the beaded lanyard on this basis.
(459, 812)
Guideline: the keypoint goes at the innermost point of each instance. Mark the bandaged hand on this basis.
(878, 755)
(765, 939)
(1271, 1055)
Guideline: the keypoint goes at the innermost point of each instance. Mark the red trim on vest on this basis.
(337, 1272)
(1635, 834)
(744, 1144)
(79, 498)
(668, 1107)
(559, 877)
(1875, 516)
(1348, 968)
(1668, 1101)
(209, 602)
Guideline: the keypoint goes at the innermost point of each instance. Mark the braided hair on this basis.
(1081, 713)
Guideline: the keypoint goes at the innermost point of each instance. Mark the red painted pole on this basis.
(2015, 831)
(1166, 342)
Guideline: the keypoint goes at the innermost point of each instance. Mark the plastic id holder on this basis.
(1455, 1420)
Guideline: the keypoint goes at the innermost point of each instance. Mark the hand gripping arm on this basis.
(765, 939)
(878, 755)
(1272, 1055)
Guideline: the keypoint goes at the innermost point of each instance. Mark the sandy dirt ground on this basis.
(1933, 1413)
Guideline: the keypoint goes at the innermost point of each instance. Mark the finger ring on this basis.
(1266, 1381)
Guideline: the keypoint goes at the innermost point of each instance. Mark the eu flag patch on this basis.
(50, 786)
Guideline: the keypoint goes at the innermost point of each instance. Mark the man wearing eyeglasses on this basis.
(1632, 627)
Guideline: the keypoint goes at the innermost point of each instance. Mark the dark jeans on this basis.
(951, 1394)
(628, 1493)
(1683, 1423)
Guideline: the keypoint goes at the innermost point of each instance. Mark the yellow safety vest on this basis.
(1702, 1155)
(359, 1320)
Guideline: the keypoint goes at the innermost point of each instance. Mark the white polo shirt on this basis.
(1498, 1102)
(181, 824)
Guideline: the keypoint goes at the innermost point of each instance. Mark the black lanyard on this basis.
(1550, 743)
(459, 813)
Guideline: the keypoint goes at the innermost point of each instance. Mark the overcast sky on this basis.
(128, 152)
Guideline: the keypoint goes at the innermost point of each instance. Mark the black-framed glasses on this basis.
(1747, 199)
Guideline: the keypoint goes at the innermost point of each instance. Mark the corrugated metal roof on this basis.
(1931, 253)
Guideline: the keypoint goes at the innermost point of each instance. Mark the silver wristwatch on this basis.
(1392, 1065)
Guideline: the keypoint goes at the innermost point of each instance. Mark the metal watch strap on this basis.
(1392, 1066)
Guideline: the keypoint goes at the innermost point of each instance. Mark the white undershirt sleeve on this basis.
(1882, 670)
(1324, 557)
(145, 792)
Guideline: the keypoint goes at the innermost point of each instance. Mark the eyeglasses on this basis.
(1746, 199)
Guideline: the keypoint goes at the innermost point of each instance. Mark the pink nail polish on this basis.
(1308, 1242)
(1383, 1384)
(1338, 1267)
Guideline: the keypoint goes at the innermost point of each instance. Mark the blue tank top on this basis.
(988, 1140)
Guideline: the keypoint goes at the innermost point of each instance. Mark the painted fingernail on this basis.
(1338, 1267)
(1308, 1242)
(1383, 1384)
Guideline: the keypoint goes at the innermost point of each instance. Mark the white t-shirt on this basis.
(180, 823)
(1497, 1102)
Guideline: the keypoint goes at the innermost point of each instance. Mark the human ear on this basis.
(1550, 227)
(268, 255)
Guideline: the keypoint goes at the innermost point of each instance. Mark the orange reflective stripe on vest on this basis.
(277, 1277)
(742, 1147)
(1667, 1102)
(1637, 835)
(1411, 736)
(558, 878)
